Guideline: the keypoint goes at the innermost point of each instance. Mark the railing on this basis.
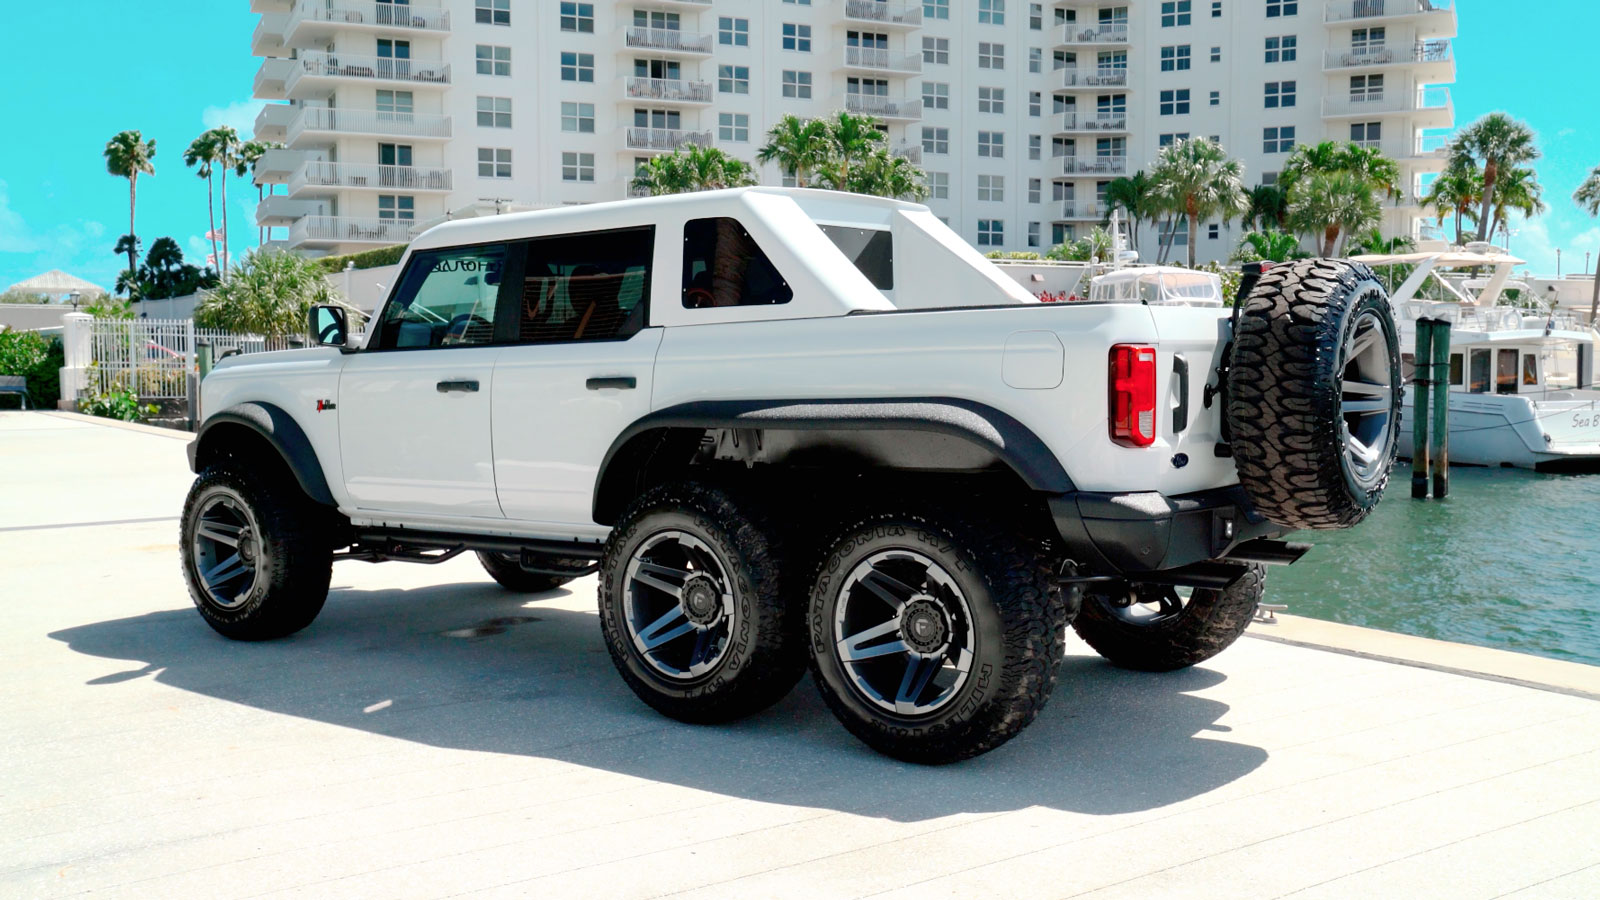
(912, 152)
(886, 107)
(1345, 10)
(1074, 210)
(153, 357)
(1432, 145)
(1102, 34)
(883, 60)
(1094, 165)
(1094, 78)
(1094, 122)
(1394, 101)
(668, 89)
(666, 138)
(349, 230)
(350, 12)
(669, 39)
(1420, 52)
(883, 13)
(358, 175)
(368, 121)
(1426, 232)
(323, 64)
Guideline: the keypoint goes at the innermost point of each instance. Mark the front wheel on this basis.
(1159, 628)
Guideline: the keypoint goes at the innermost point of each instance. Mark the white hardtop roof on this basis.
(1134, 273)
(823, 206)
(1451, 259)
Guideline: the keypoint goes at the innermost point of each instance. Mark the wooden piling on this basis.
(1440, 451)
(1422, 374)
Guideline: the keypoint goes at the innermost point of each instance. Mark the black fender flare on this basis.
(1008, 439)
(282, 432)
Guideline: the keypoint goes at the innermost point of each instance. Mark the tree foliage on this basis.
(1493, 146)
(696, 168)
(128, 155)
(1587, 196)
(35, 357)
(1271, 246)
(1346, 170)
(842, 152)
(1196, 180)
(268, 293)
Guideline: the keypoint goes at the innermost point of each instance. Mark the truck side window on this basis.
(871, 249)
(446, 299)
(593, 286)
(722, 266)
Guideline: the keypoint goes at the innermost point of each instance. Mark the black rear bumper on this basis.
(1144, 532)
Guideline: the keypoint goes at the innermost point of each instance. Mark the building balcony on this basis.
(318, 71)
(1432, 59)
(272, 78)
(318, 176)
(332, 231)
(682, 4)
(267, 39)
(888, 15)
(1092, 79)
(320, 124)
(275, 166)
(879, 61)
(272, 122)
(1074, 123)
(282, 210)
(1430, 107)
(1080, 34)
(1432, 18)
(1081, 211)
(888, 108)
(315, 22)
(911, 152)
(666, 41)
(1105, 166)
(669, 91)
(664, 140)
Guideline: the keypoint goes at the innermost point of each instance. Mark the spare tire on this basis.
(1314, 393)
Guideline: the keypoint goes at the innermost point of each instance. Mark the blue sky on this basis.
(171, 71)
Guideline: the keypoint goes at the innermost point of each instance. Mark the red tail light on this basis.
(1133, 395)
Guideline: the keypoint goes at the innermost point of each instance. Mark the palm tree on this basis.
(227, 143)
(1333, 203)
(883, 174)
(1521, 192)
(1372, 242)
(1306, 160)
(1456, 192)
(1499, 143)
(1275, 246)
(851, 139)
(1379, 171)
(128, 155)
(1587, 196)
(1196, 178)
(1269, 207)
(694, 169)
(202, 154)
(797, 145)
(250, 153)
(1131, 194)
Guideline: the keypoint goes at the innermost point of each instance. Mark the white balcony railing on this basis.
(1357, 57)
(326, 64)
(1078, 210)
(912, 152)
(340, 229)
(317, 173)
(882, 60)
(1397, 101)
(354, 12)
(666, 139)
(1094, 78)
(1432, 145)
(1346, 10)
(1094, 34)
(884, 13)
(1094, 121)
(341, 120)
(667, 40)
(668, 89)
(883, 107)
(1094, 165)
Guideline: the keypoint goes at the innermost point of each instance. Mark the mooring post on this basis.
(1440, 452)
(1421, 375)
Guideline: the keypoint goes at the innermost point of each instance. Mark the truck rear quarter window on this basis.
(593, 286)
(723, 266)
(446, 299)
(870, 249)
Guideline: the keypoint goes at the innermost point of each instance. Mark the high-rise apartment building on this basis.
(402, 113)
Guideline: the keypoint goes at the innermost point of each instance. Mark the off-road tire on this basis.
(295, 556)
(1020, 616)
(507, 569)
(765, 655)
(1285, 393)
(1210, 622)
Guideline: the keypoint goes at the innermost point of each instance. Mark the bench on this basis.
(15, 384)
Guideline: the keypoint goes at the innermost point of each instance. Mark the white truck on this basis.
(794, 427)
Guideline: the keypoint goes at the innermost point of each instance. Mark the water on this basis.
(1508, 561)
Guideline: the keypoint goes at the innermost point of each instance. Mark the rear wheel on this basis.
(507, 569)
(1158, 628)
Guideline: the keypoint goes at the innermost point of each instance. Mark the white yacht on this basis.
(1521, 386)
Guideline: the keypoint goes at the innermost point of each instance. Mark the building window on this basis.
(494, 162)
(1277, 140)
(992, 188)
(494, 112)
(1035, 188)
(1167, 140)
(1035, 60)
(991, 100)
(936, 94)
(1281, 8)
(936, 9)
(397, 206)
(733, 127)
(1033, 234)
(577, 117)
(1174, 12)
(1173, 233)
(1279, 94)
(577, 167)
(1035, 146)
(1175, 58)
(991, 56)
(1367, 40)
(1175, 102)
(1035, 103)
(991, 232)
(939, 185)
(796, 85)
(1367, 134)
(1035, 16)
(1216, 54)
(396, 103)
(935, 140)
(733, 32)
(577, 17)
(733, 79)
(797, 37)
(494, 60)
(1216, 9)
(1364, 88)
(991, 12)
(492, 12)
(577, 66)
(1216, 98)
(936, 50)
(1213, 232)
(992, 144)
(1282, 48)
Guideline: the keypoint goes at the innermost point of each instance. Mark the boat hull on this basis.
(1561, 433)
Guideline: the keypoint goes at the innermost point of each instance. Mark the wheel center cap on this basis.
(923, 627)
(247, 545)
(702, 600)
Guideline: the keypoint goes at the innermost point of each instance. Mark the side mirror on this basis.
(329, 325)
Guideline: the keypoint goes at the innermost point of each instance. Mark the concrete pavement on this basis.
(431, 736)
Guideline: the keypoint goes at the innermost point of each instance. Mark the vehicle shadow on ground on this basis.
(471, 667)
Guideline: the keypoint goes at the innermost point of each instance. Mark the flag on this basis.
(211, 260)
(216, 235)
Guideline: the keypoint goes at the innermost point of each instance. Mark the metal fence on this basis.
(153, 357)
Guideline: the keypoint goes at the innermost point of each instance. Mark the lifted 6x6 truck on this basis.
(792, 428)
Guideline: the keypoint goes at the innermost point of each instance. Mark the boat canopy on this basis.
(1158, 286)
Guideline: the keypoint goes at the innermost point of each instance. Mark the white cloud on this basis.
(241, 116)
(75, 246)
(1534, 242)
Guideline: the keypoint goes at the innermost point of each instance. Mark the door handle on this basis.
(620, 382)
(465, 386)
(1180, 415)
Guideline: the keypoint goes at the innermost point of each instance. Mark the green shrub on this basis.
(1013, 254)
(121, 404)
(367, 259)
(37, 358)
